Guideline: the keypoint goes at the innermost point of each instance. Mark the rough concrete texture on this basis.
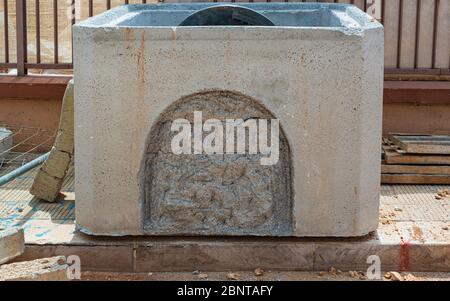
(221, 194)
(49, 180)
(319, 71)
(45, 269)
(6, 142)
(12, 244)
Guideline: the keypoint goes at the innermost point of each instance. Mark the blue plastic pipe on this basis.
(23, 169)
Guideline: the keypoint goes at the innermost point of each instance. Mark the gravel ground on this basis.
(250, 276)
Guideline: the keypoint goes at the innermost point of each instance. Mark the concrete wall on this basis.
(35, 108)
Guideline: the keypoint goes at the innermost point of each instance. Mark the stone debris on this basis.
(357, 275)
(393, 276)
(333, 271)
(12, 244)
(46, 187)
(55, 161)
(203, 276)
(410, 277)
(385, 217)
(259, 272)
(442, 194)
(233, 276)
(48, 182)
(45, 269)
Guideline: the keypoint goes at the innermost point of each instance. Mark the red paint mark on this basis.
(404, 255)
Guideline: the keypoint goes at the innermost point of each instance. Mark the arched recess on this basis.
(219, 194)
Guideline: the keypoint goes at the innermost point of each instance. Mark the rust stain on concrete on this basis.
(140, 85)
(302, 59)
(141, 59)
(128, 33)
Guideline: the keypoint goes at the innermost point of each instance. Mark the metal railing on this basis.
(417, 32)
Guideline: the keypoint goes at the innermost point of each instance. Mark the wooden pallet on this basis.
(417, 179)
(415, 159)
(416, 169)
(422, 144)
(393, 157)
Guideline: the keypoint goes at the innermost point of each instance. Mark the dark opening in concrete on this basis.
(226, 15)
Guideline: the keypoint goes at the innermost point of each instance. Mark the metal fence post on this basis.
(21, 28)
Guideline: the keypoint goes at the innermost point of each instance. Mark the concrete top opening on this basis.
(342, 17)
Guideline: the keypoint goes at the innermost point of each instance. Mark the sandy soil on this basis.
(250, 276)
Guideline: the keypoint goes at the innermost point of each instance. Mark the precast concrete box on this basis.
(213, 119)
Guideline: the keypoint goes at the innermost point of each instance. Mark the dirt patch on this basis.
(250, 276)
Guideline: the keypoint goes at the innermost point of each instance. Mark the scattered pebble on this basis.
(332, 271)
(393, 276)
(442, 194)
(233, 276)
(410, 277)
(203, 276)
(357, 275)
(259, 272)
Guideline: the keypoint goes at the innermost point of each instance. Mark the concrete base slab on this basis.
(44, 269)
(12, 244)
(413, 234)
(157, 254)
